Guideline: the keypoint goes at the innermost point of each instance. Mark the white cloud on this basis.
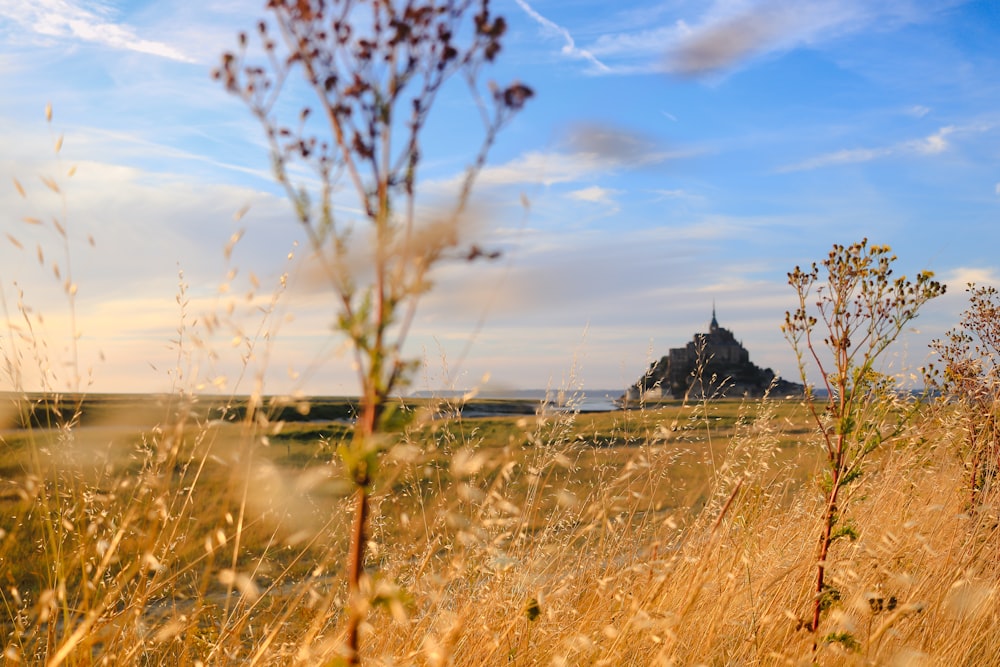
(595, 194)
(570, 48)
(86, 22)
(918, 111)
(932, 144)
(997, 189)
(963, 275)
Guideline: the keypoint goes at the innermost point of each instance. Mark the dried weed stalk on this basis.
(373, 69)
(842, 326)
(970, 380)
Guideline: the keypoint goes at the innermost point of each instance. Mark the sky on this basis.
(677, 155)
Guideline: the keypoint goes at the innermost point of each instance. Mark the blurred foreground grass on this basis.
(171, 530)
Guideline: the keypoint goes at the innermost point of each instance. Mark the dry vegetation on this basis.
(678, 534)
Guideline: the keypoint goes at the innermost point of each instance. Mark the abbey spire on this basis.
(712, 365)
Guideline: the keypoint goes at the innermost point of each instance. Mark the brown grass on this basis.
(676, 535)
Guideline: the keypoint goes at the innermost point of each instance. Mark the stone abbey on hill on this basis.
(712, 365)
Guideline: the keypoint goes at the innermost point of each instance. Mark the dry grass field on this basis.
(162, 532)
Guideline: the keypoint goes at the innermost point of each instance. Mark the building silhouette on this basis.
(711, 365)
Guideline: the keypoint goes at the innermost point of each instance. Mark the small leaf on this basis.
(31, 221)
(59, 143)
(19, 188)
(845, 639)
(847, 530)
(48, 112)
(15, 242)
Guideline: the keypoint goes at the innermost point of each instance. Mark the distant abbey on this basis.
(712, 365)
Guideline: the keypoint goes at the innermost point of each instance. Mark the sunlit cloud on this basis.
(961, 276)
(88, 22)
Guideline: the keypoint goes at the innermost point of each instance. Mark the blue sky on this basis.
(676, 154)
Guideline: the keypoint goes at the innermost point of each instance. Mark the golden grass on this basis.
(674, 535)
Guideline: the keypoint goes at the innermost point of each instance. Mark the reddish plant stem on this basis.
(826, 538)
(356, 564)
(365, 430)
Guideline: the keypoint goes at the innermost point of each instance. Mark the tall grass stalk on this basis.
(859, 310)
(374, 70)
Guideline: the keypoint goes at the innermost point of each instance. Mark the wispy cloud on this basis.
(595, 194)
(648, 43)
(728, 33)
(674, 194)
(588, 149)
(727, 36)
(932, 144)
(547, 168)
(845, 156)
(569, 48)
(88, 22)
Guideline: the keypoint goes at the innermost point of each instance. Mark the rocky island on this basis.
(711, 365)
